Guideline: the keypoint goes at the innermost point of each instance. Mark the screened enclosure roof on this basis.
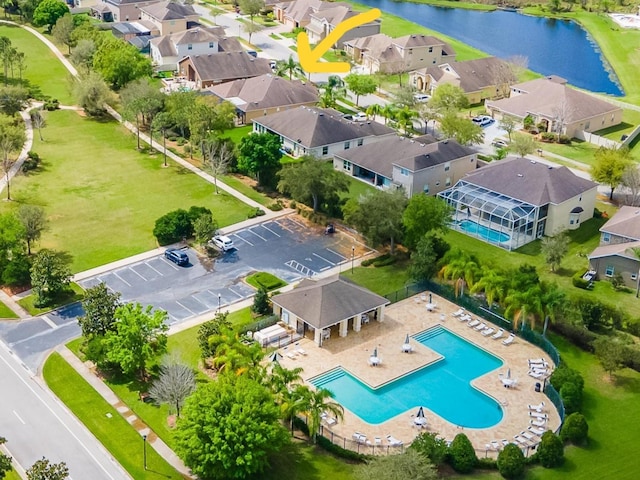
(494, 203)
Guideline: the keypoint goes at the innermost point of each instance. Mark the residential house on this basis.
(136, 33)
(260, 96)
(320, 308)
(120, 10)
(615, 254)
(391, 55)
(323, 22)
(550, 102)
(170, 17)
(214, 68)
(297, 14)
(321, 132)
(479, 79)
(168, 49)
(515, 201)
(418, 165)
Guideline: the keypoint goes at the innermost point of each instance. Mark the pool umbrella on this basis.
(406, 339)
(420, 413)
(430, 299)
(375, 352)
(508, 373)
(275, 356)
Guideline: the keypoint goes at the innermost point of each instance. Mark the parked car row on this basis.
(180, 258)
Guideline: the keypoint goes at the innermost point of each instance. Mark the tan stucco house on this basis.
(264, 95)
(326, 307)
(515, 201)
(418, 165)
(170, 17)
(215, 68)
(323, 22)
(552, 103)
(615, 254)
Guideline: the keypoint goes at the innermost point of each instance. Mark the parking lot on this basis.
(284, 247)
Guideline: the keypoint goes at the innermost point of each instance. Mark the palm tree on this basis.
(405, 117)
(282, 379)
(463, 270)
(319, 402)
(494, 285)
(428, 113)
(333, 91)
(388, 112)
(289, 67)
(552, 298)
(373, 110)
(293, 402)
(524, 306)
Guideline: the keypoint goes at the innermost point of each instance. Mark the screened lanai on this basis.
(494, 217)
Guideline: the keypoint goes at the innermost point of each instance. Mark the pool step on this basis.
(328, 377)
(427, 334)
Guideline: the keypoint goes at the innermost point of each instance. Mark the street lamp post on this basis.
(353, 256)
(219, 298)
(144, 451)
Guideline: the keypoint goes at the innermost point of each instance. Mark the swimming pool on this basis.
(444, 386)
(489, 234)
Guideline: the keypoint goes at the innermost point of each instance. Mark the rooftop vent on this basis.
(520, 175)
(321, 114)
(533, 161)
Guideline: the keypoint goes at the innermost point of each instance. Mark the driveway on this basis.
(283, 247)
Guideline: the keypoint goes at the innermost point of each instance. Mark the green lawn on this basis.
(357, 188)
(6, 312)
(102, 196)
(579, 151)
(104, 421)
(43, 70)
(12, 475)
(269, 281)
(75, 293)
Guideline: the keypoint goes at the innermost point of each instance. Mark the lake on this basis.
(553, 47)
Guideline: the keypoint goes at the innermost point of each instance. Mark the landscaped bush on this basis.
(266, 280)
(551, 450)
(431, 446)
(576, 334)
(173, 227)
(379, 259)
(462, 456)
(261, 303)
(51, 105)
(570, 384)
(575, 429)
(256, 212)
(276, 206)
(578, 281)
(18, 271)
(390, 260)
(564, 139)
(339, 451)
(548, 137)
(511, 461)
(487, 464)
(31, 162)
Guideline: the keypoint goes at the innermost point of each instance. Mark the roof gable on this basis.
(625, 223)
(225, 66)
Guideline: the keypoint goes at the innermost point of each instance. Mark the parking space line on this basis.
(131, 268)
(205, 307)
(322, 258)
(245, 241)
(296, 222)
(187, 309)
(336, 253)
(151, 267)
(48, 321)
(235, 293)
(261, 238)
(267, 228)
(284, 227)
(169, 263)
(122, 279)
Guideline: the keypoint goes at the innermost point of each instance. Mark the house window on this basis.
(360, 141)
(347, 145)
(425, 189)
(211, 44)
(448, 182)
(609, 271)
(404, 171)
(634, 276)
(437, 184)
(190, 47)
(447, 166)
(325, 150)
(346, 165)
(606, 237)
(430, 49)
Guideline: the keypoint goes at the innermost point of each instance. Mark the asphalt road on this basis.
(36, 425)
(284, 247)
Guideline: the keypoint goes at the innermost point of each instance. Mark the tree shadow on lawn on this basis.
(627, 383)
(291, 463)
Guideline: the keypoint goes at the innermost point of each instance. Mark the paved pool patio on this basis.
(410, 316)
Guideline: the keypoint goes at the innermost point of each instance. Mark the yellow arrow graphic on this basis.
(309, 60)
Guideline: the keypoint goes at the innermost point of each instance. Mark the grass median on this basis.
(104, 421)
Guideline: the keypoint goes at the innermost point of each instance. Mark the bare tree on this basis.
(38, 121)
(12, 137)
(251, 28)
(631, 180)
(561, 114)
(175, 383)
(218, 157)
(508, 124)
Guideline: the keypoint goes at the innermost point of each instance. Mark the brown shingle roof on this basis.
(266, 91)
(226, 66)
(169, 11)
(323, 303)
(530, 181)
(417, 40)
(625, 223)
(617, 249)
(314, 127)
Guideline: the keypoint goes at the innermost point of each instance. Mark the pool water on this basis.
(489, 234)
(444, 386)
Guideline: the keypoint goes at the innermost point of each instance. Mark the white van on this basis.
(223, 243)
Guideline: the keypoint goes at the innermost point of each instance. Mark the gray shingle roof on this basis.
(625, 223)
(226, 66)
(314, 127)
(169, 11)
(473, 75)
(413, 154)
(617, 249)
(266, 91)
(323, 303)
(529, 181)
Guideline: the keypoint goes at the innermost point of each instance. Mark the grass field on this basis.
(6, 312)
(102, 196)
(43, 68)
(113, 431)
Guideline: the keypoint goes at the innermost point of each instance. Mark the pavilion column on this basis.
(357, 323)
(381, 313)
(344, 325)
(317, 336)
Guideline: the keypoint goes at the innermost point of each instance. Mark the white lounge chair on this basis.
(359, 437)
(522, 441)
(537, 361)
(328, 419)
(465, 317)
(394, 442)
(291, 355)
(509, 340)
(497, 446)
(536, 375)
(459, 313)
(498, 334)
(482, 326)
(487, 331)
(301, 351)
(377, 441)
(537, 408)
(537, 430)
(538, 415)
(538, 423)
(529, 436)
(473, 323)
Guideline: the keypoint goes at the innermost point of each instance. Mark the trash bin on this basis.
(538, 387)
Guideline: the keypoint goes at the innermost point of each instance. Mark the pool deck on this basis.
(410, 317)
